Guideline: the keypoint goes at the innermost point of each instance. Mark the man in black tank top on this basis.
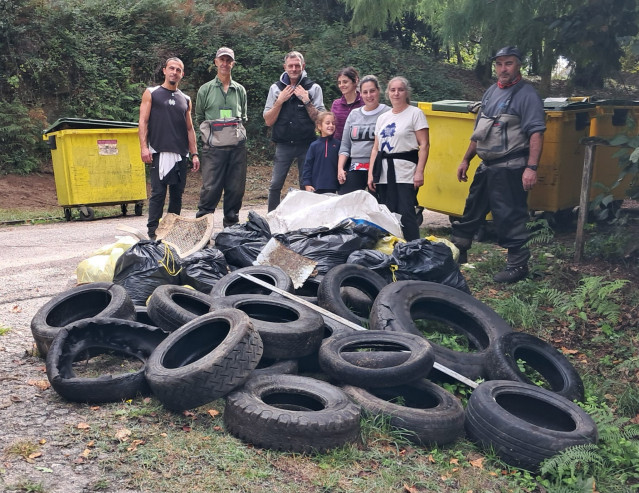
(167, 137)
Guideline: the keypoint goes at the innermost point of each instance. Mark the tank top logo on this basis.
(172, 102)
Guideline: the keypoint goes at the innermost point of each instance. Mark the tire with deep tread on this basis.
(525, 424)
(204, 359)
(98, 299)
(232, 283)
(292, 413)
(171, 306)
(96, 336)
(399, 304)
(288, 329)
(561, 375)
(331, 295)
(429, 413)
(416, 365)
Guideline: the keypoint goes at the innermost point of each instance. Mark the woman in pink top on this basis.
(347, 81)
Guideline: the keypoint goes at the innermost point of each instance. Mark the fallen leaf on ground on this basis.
(454, 461)
(16, 309)
(134, 445)
(410, 489)
(83, 426)
(85, 453)
(213, 412)
(431, 459)
(569, 351)
(42, 441)
(35, 455)
(91, 443)
(41, 384)
(478, 463)
(122, 434)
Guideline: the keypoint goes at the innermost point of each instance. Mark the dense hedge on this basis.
(93, 59)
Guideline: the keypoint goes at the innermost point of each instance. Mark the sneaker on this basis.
(511, 274)
(420, 216)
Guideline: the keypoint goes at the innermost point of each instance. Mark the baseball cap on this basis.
(507, 51)
(225, 51)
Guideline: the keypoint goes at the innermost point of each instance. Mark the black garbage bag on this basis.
(202, 269)
(242, 243)
(144, 267)
(331, 246)
(421, 260)
(425, 260)
(375, 260)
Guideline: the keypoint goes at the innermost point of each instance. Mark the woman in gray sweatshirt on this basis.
(358, 138)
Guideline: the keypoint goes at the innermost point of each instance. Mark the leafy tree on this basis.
(586, 32)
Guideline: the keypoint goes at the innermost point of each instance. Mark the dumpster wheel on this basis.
(124, 209)
(139, 206)
(67, 214)
(86, 213)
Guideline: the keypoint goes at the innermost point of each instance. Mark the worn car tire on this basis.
(204, 359)
(332, 328)
(353, 304)
(268, 366)
(417, 365)
(561, 375)
(171, 306)
(233, 283)
(429, 413)
(401, 303)
(288, 329)
(94, 336)
(98, 299)
(292, 413)
(525, 424)
(142, 316)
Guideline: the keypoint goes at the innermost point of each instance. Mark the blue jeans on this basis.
(284, 156)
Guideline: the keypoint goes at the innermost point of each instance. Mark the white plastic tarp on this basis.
(301, 209)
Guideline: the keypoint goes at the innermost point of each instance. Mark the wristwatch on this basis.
(532, 166)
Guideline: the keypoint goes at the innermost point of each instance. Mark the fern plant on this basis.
(613, 462)
(592, 296)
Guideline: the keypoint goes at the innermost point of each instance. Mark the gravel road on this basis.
(38, 262)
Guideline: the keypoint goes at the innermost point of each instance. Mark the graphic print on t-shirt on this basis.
(386, 134)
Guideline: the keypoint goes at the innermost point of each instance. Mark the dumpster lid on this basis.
(617, 102)
(453, 105)
(566, 104)
(84, 123)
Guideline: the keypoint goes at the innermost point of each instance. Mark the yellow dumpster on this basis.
(612, 117)
(559, 173)
(96, 163)
(562, 159)
(450, 126)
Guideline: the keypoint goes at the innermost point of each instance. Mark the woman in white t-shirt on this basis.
(399, 156)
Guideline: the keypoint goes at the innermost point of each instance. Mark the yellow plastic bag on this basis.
(387, 244)
(448, 243)
(99, 267)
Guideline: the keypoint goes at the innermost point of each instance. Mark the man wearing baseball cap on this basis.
(508, 137)
(220, 109)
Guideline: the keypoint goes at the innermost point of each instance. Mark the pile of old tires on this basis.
(295, 378)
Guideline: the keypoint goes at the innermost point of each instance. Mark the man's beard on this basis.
(172, 82)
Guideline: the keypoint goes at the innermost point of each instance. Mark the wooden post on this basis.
(586, 179)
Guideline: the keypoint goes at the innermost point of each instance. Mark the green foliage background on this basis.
(93, 59)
